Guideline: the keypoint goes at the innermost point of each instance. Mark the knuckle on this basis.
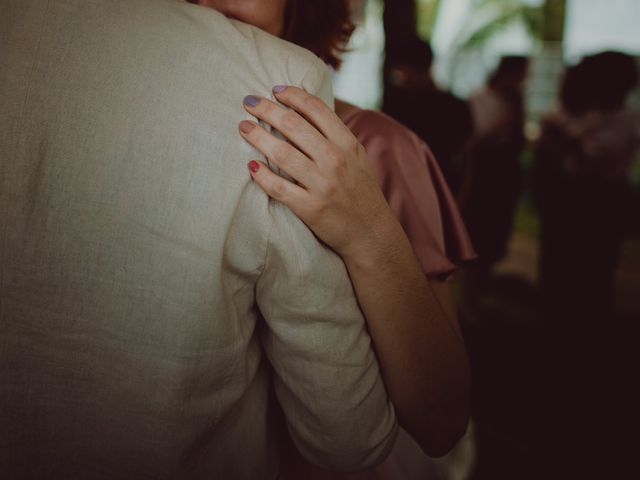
(282, 152)
(335, 157)
(264, 111)
(265, 108)
(327, 188)
(290, 121)
(278, 188)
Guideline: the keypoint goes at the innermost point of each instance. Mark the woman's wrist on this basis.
(380, 243)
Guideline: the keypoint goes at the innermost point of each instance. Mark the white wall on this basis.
(597, 25)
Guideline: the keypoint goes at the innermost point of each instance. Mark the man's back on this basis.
(136, 254)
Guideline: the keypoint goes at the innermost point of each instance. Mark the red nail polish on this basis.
(253, 166)
(246, 126)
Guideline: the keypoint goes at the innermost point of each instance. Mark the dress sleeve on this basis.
(417, 192)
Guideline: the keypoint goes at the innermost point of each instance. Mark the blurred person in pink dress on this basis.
(399, 251)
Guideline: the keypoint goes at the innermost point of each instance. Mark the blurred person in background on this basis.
(492, 178)
(438, 117)
(582, 190)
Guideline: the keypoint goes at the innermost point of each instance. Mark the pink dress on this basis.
(415, 189)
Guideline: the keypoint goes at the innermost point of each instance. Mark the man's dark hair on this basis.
(413, 52)
(511, 70)
(599, 82)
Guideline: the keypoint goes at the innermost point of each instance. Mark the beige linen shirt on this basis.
(152, 298)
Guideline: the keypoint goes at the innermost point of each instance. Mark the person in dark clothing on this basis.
(582, 188)
(492, 177)
(442, 120)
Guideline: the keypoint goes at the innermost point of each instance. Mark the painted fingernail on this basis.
(251, 100)
(279, 88)
(246, 126)
(253, 166)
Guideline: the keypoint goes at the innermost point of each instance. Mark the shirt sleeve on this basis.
(326, 376)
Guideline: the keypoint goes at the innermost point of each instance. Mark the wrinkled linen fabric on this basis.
(154, 303)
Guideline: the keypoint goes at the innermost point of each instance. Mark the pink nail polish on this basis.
(246, 126)
(253, 166)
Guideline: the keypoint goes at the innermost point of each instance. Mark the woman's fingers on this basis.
(284, 155)
(278, 188)
(317, 112)
(337, 195)
(289, 123)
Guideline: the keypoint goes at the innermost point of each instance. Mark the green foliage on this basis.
(554, 14)
(495, 15)
(426, 13)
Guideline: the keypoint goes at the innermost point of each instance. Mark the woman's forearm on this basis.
(422, 356)
(336, 194)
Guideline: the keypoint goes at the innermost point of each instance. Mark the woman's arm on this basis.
(422, 355)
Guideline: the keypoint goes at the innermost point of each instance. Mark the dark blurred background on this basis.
(532, 108)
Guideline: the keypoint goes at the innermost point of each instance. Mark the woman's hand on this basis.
(336, 193)
(423, 360)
